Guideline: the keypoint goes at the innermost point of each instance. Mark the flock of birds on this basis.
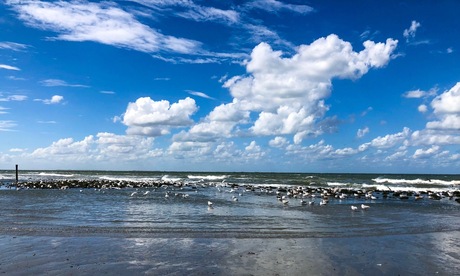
(288, 195)
(285, 195)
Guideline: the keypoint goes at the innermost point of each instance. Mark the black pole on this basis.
(17, 175)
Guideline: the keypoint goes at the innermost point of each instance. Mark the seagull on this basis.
(365, 207)
(133, 193)
(285, 201)
(354, 208)
(210, 204)
(234, 198)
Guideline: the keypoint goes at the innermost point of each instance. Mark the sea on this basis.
(217, 206)
(244, 204)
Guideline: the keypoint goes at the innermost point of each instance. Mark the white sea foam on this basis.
(55, 174)
(416, 181)
(167, 178)
(208, 177)
(404, 188)
(337, 184)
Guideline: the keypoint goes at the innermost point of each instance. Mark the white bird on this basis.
(285, 201)
(234, 198)
(210, 205)
(365, 207)
(133, 193)
(354, 208)
(147, 192)
(311, 203)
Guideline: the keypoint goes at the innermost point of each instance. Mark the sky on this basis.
(255, 85)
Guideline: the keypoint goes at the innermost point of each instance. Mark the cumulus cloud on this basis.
(416, 94)
(387, 141)
(54, 100)
(278, 142)
(362, 132)
(426, 153)
(434, 137)
(447, 109)
(254, 151)
(422, 108)
(410, 32)
(102, 147)
(289, 92)
(154, 118)
(102, 22)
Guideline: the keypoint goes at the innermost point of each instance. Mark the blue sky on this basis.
(303, 86)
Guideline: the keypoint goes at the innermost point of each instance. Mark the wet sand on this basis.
(417, 254)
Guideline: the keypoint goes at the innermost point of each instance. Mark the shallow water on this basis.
(185, 213)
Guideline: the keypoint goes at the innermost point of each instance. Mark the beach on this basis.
(412, 254)
(257, 226)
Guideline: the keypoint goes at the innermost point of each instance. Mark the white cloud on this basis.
(410, 33)
(253, 151)
(399, 155)
(434, 137)
(345, 152)
(447, 109)
(17, 98)
(387, 141)
(7, 125)
(102, 22)
(278, 142)
(362, 132)
(426, 153)
(2, 110)
(109, 92)
(201, 13)
(105, 147)
(155, 118)
(219, 123)
(199, 94)
(56, 82)
(54, 100)
(9, 67)
(12, 46)
(274, 6)
(289, 92)
(414, 94)
(422, 108)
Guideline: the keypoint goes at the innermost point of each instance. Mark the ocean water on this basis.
(250, 209)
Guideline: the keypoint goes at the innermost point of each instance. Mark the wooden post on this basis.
(17, 174)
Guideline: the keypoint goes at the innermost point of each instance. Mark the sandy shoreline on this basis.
(417, 254)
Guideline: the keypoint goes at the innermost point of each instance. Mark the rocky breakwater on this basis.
(92, 184)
